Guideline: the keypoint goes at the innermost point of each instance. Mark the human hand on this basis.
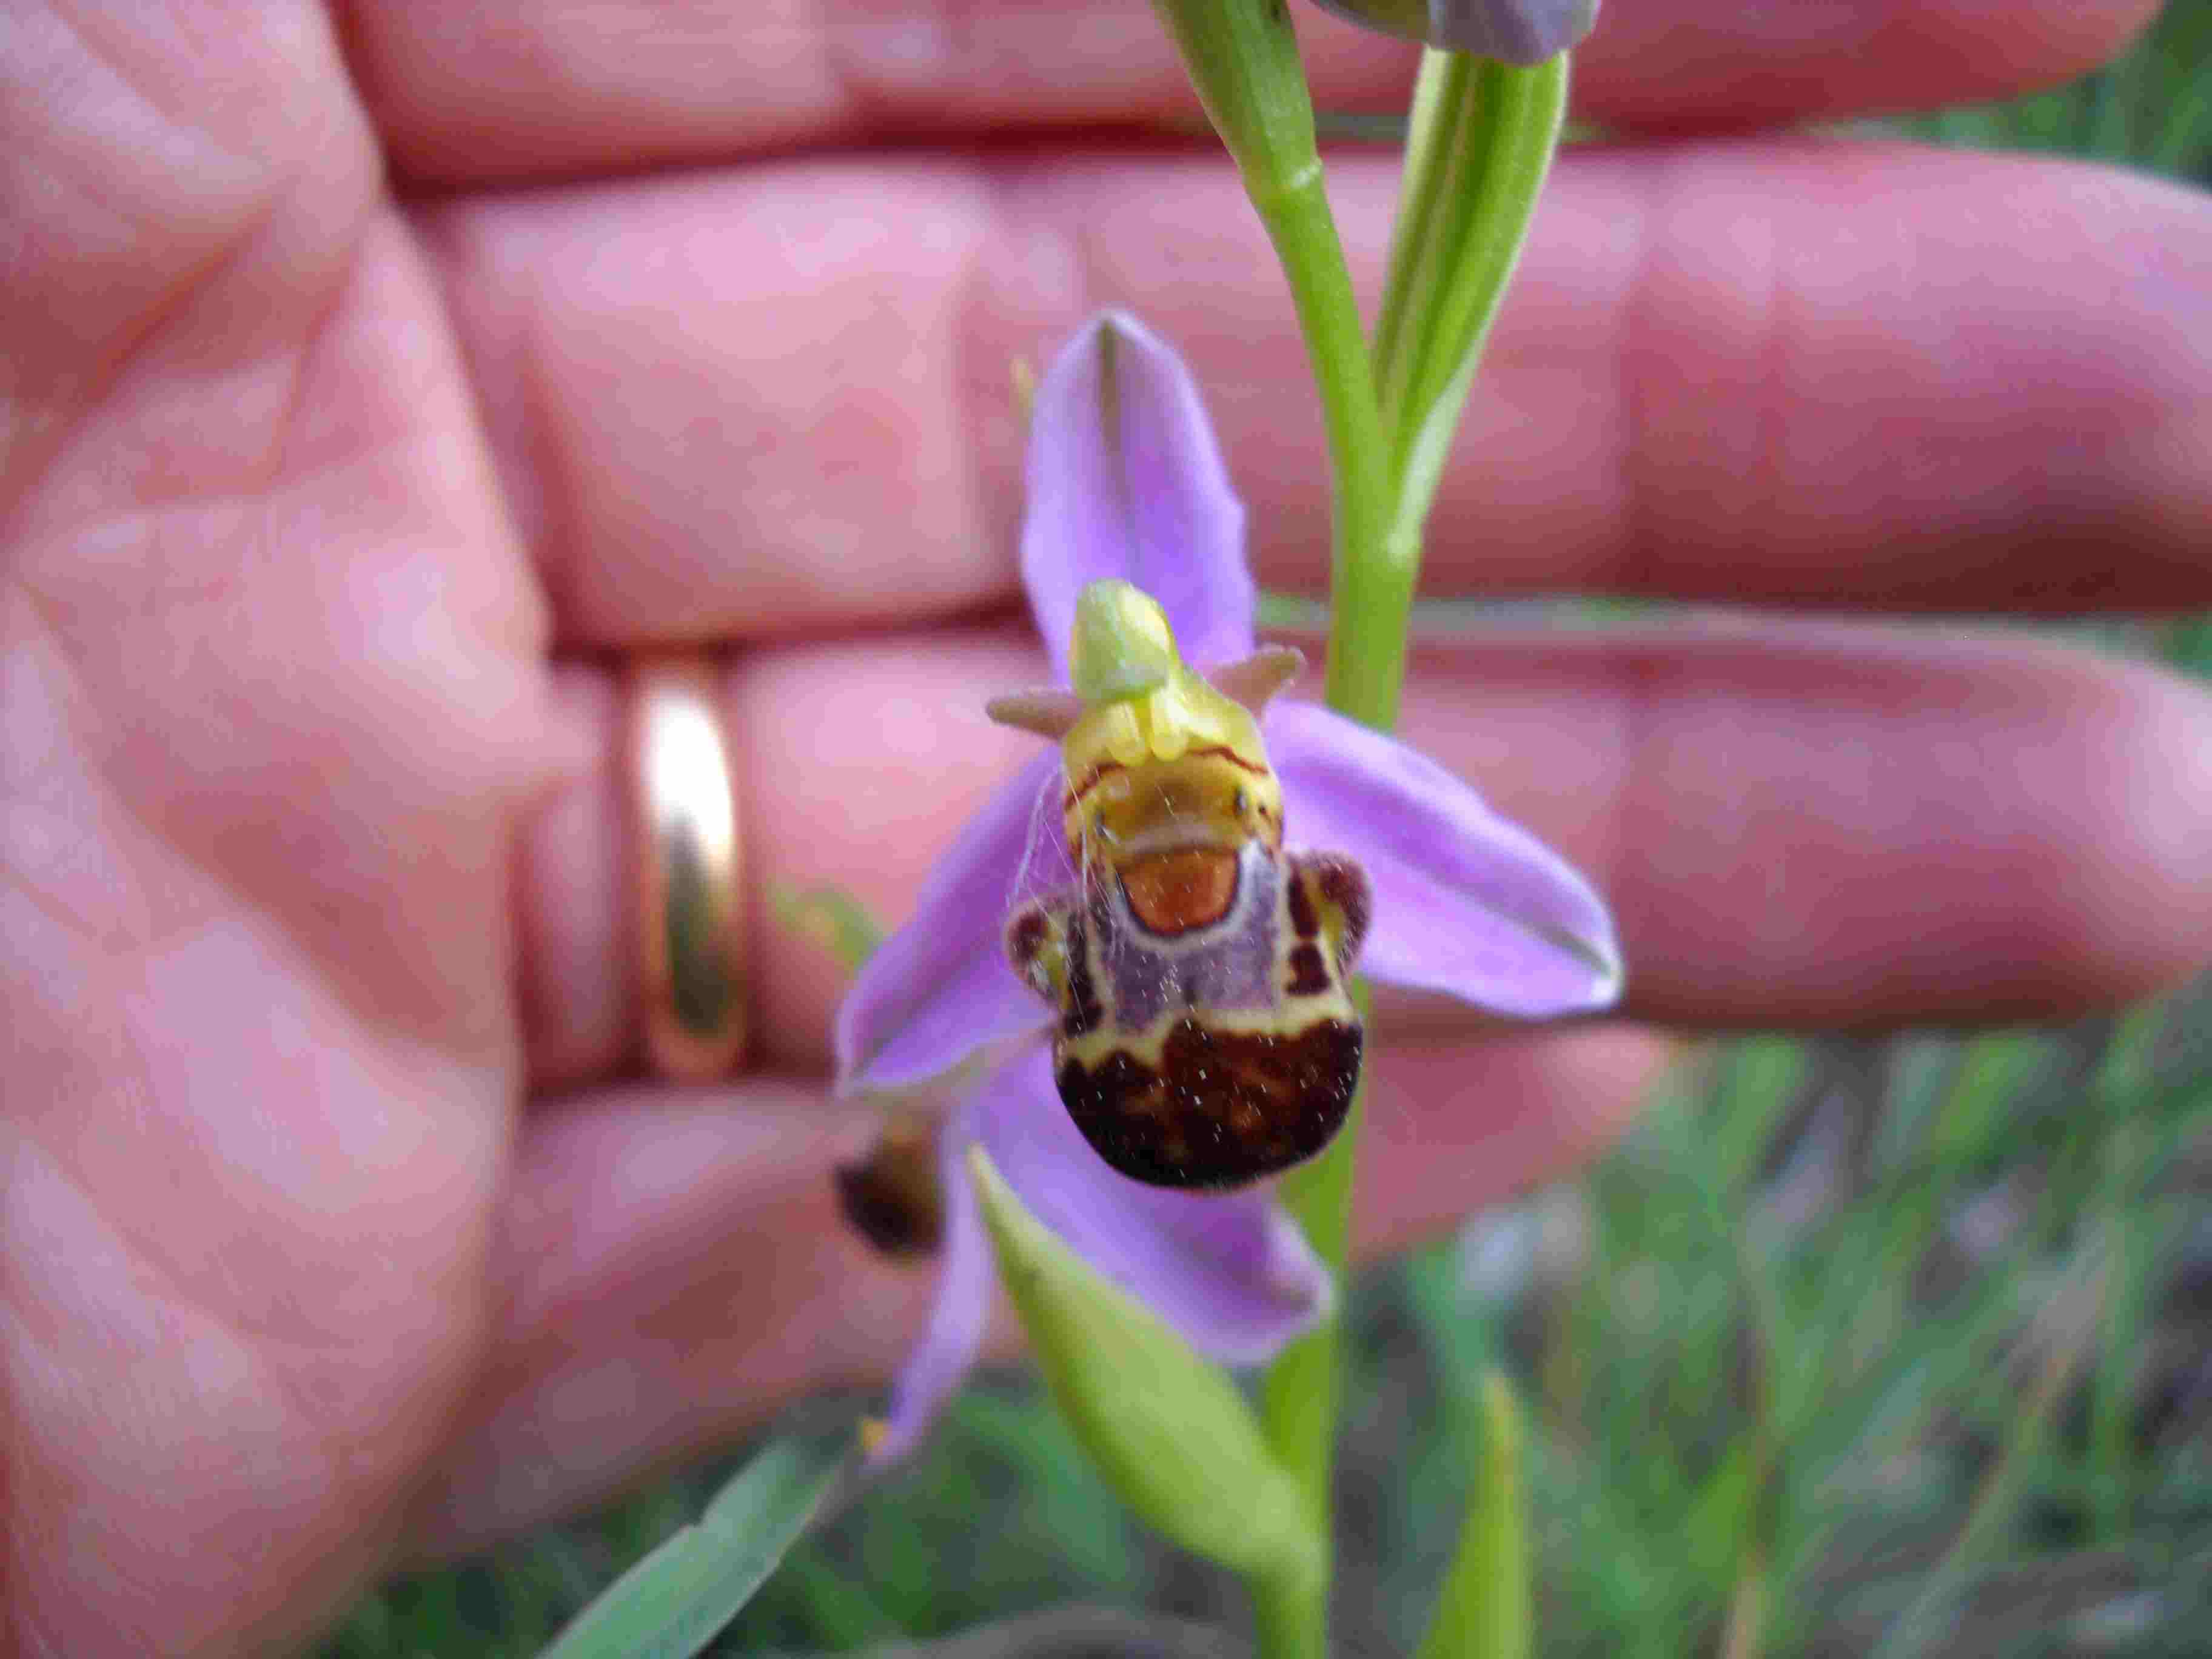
(335, 1225)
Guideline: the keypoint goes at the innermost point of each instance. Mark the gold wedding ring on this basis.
(689, 860)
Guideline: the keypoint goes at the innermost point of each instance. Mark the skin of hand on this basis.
(372, 381)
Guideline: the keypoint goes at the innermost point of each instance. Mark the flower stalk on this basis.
(1242, 57)
(1171, 1432)
(1161, 1017)
(1480, 146)
(1301, 1391)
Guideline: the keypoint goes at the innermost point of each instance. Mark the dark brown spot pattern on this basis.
(1222, 1108)
(1026, 938)
(1083, 1012)
(1309, 973)
(1344, 885)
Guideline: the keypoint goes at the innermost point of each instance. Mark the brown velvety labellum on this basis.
(1222, 1107)
(1171, 893)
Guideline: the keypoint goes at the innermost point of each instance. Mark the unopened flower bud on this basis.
(891, 1197)
(1514, 31)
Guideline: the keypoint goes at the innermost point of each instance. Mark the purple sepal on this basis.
(937, 1364)
(1231, 1272)
(1125, 479)
(939, 990)
(1465, 902)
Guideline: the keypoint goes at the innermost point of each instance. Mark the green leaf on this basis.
(1170, 1431)
(1759, 1080)
(673, 1603)
(831, 917)
(1484, 1611)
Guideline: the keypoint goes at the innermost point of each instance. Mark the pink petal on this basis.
(1125, 479)
(939, 990)
(1231, 1272)
(1465, 903)
(940, 1361)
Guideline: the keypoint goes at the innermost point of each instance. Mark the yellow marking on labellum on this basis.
(1195, 767)
(1202, 1096)
(1213, 1098)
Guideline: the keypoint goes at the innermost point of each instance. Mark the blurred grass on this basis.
(1905, 1343)
(1900, 1348)
(2151, 108)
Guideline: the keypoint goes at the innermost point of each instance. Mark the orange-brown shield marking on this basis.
(1174, 892)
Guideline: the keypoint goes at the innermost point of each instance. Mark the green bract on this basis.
(1171, 1432)
(1476, 157)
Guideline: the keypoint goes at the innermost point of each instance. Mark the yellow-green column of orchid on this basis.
(1478, 145)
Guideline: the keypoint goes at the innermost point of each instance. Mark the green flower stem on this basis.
(1242, 58)
(1299, 1394)
(1482, 138)
(1372, 580)
(1478, 149)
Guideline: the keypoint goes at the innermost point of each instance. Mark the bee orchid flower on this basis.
(1133, 957)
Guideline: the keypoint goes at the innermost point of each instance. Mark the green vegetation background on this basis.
(1900, 1347)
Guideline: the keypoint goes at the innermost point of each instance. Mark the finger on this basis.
(1829, 826)
(476, 94)
(738, 405)
(577, 985)
(1660, 63)
(884, 776)
(675, 1268)
(1817, 826)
